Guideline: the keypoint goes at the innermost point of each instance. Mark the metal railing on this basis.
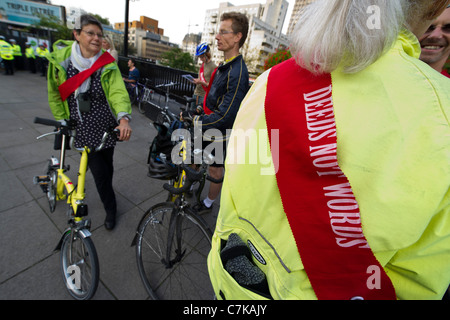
(158, 75)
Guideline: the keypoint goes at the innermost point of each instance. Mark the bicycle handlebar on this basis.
(50, 122)
(191, 177)
(106, 135)
(65, 125)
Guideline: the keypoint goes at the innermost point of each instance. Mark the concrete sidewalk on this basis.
(29, 269)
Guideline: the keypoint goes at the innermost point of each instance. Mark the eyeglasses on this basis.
(223, 32)
(93, 34)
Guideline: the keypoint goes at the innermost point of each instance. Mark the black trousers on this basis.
(9, 66)
(101, 165)
(31, 65)
(42, 63)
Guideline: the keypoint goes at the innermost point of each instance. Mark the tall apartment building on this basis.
(265, 32)
(144, 23)
(298, 6)
(146, 37)
(71, 14)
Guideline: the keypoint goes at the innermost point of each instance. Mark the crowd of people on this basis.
(357, 202)
(12, 57)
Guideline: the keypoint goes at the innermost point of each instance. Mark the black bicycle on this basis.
(172, 241)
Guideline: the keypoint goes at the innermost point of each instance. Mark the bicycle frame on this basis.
(182, 177)
(75, 195)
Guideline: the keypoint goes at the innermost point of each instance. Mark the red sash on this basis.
(202, 76)
(205, 108)
(317, 197)
(72, 84)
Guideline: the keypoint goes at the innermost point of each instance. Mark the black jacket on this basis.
(229, 87)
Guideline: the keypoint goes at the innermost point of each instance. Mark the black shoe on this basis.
(110, 222)
(200, 208)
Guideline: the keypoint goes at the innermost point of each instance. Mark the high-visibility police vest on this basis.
(17, 50)
(393, 137)
(6, 50)
(29, 53)
(41, 53)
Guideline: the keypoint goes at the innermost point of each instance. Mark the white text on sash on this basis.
(343, 208)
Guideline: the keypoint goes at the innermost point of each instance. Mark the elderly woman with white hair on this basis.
(355, 202)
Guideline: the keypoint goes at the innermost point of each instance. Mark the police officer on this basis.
(41, 52)
(31, 57)
(6, 53)
(17, 52)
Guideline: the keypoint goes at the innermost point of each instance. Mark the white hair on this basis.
(334, 33)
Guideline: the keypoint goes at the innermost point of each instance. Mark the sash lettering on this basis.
(317, 197)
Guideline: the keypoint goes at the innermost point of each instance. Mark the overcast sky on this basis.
(174, 16)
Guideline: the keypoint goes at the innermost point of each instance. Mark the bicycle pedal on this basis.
(41, 180)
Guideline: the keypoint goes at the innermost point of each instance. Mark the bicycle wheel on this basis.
(79, 266)
(163, 118)
(51, 189)
(141, 107)
(184, 274)
(133, 92)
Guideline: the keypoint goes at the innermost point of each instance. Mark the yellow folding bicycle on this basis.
(79, 260)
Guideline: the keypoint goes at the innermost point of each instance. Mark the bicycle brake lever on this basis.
(48, 134)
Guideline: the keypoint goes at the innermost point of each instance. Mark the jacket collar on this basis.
(409, 43)
(62, 49)
(230, 61)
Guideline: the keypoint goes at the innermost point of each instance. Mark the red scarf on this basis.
(72, 84)
(317, 197)
(205, 108)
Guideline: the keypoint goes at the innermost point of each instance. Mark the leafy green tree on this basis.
(102, 20)
(177, 59)
(58, 28)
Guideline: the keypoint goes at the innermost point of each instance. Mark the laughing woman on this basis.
(100, 102)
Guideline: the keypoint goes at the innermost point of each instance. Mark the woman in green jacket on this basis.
(99, 103)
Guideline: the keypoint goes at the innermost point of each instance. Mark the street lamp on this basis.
(125, 44)
(189, 28)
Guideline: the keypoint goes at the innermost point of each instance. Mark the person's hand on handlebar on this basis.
(125, 129)
(187, 116)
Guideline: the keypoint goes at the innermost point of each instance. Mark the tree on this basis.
(177, 59)
(277, 57)
(52, 23)
(102, 20)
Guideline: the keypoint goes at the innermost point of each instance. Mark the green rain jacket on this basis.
(111, 80)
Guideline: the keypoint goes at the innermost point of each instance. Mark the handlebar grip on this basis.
(48, 122)
(191, 177)
(181, 190)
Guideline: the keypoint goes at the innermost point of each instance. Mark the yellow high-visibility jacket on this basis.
(6, 50)
(393, 136)
(29, 53)
(17, 50)
(42, 53)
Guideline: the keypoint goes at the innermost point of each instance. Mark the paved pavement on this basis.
(29, 269)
